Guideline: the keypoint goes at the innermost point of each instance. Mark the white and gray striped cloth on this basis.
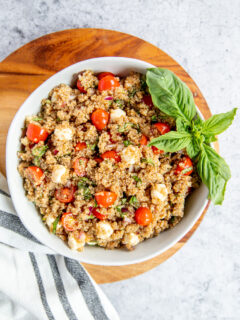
(35, 283)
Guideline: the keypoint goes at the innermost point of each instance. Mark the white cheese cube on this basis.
(117, 114)
(104, 230)
(131, 154)
(59, 174)
(63, 134)
(76, 240)
(133, 239)
(159, 193)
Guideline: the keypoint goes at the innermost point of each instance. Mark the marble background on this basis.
(202, 281)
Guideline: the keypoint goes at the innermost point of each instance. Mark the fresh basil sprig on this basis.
(174, 98)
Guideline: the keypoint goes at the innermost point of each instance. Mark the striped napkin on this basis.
(36, 283)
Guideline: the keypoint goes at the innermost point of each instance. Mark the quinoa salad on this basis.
(87, 165)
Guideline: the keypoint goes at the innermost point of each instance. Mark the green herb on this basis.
(92, 146)
(58, 120)
(47, 101)
(124, 127)
(132, 93)
(37, 119)
(92, 243)
(149, 161)
(143, 83)
(119, 102)
(55, 223)
(172, 220)
(134, 202)
(123, 200)
(95, 205)
(138, 180)
(136, 126)
(84, 184)
(39, 151)
(126, 143)
(87, 194)
(175, 99)
(91, 217)
(154, 119)
(123, 214)
(36, 161)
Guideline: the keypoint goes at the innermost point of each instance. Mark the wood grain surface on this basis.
(25, 69)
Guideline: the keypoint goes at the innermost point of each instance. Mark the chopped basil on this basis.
(126, 143)
(91, 217)
(119, 102)
(136, 126)
(39, 151)
(124, 127)
(134, 202)
(92, 243)
(154, 119)
(149, 161)
(92, 146)
(143, 83)
(138, 180)
(84, 184)
(132, 93)
(95, 203)
(55, 223)
(37, 119)
(123, 214)
(36, 161)
(123, 200)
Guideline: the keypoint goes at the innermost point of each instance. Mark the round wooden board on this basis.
(25, 69)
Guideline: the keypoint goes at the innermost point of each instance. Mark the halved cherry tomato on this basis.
(104, 74)
(80, 87)
(162, 127)
(36, 133)
(98, 160)
(100, 118)
(185, 166)
(65, 195)
(80, 146)
(34, 174)
(105, 198)
(68, 221)
(107, 83)
(143, 216)
(143, 140)
(79, 166)
(98, 215)
(111, 155)
(148, 101)
(156, 150)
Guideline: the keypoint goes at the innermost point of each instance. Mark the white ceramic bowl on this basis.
(30, 216)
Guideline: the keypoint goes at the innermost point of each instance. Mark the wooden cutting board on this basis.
(25, 69)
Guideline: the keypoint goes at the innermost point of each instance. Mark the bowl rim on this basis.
(10, 177)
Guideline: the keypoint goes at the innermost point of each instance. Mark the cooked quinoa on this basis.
(75, 167)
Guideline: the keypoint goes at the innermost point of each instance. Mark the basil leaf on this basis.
(39, 151)
(193, 148)
(182, 126)
(214, 172)
(172, 141)
(170, 94)
(218, 123)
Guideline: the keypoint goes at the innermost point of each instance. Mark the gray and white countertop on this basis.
(202, 280)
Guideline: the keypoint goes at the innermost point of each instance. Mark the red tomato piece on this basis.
(79, 166)
(143, 216)
(185, 166)
(98, 215)
(68, 221)
(65, 195)
(100, 118)
(148, 101)
(156, 150)
(143, 140)
(107, 83)
(162, 127)
(104, 74)
(80, 87)
(98, 160)
(111, 155)
(105, 198)
(80, 146)
(34, 174)
(36, 133)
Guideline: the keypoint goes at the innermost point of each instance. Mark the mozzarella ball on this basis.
(59, 174)
(133, 239)
(131, 155)
(117, 114)
(76, 240)
(63, 134)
